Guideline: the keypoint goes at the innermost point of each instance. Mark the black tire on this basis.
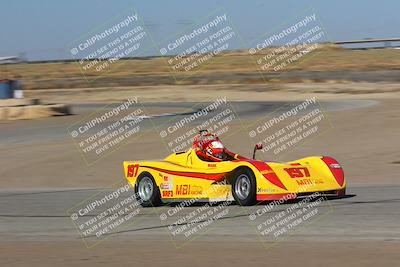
(244, 196)
(147, 191)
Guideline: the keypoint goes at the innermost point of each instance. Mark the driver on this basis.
(212, 149)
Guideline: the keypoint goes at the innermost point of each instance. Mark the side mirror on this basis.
(258, 146)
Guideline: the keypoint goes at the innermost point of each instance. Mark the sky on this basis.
(44, 29)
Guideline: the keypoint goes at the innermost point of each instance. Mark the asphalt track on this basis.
(28, 132)
(366, 213)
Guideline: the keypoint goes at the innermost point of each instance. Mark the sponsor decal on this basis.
(164, 186)
(182, 190)
(265, 190)
(196, 190)
(168, 183)
(168, 193)
(309, 181)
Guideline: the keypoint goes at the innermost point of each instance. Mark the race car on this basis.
(210, 172)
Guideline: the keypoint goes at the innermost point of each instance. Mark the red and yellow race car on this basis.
(210, 172)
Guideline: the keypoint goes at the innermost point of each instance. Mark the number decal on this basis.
(133, 170)
(298, 172)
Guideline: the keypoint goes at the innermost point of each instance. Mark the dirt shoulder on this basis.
(241, 92)
(219, 253)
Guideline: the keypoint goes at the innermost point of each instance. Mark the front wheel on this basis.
(244, 187)
(147, 191)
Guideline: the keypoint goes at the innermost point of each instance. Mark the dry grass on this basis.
(232, 67)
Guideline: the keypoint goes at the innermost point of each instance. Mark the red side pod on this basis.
(335, 168)
(268, 174)
(208, 176)
(267, 197)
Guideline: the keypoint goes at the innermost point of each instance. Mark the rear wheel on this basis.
(147, 191)
(244, 187)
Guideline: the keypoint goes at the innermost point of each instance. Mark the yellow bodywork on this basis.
(184, 175)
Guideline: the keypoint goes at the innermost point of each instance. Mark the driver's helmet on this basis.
(213, 148)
